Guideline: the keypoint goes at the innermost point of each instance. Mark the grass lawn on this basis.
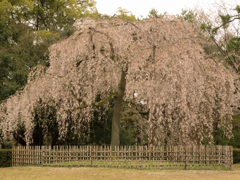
(135, 164)
(94, 173)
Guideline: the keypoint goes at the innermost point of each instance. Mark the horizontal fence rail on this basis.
(141, 157)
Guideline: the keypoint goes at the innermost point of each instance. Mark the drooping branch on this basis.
(112, 95)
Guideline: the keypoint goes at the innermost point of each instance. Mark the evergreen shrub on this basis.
(5, 157)
(236, 156)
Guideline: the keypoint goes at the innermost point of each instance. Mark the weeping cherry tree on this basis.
(156, 61)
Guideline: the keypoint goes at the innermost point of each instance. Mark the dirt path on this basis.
(42, 173)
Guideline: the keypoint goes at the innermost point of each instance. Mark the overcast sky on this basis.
(142, 7)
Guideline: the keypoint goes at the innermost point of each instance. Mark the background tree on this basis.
(125, 15)
(27, 29)
(188, 15)
(225, 40)
(154, 13)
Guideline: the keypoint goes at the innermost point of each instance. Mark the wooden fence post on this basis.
(185, 154)
(42, 155)
(17, 157)
(230, 157)
(90, 154)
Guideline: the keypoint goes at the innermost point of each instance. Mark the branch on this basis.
(93, 29)
(96, 104)
(211, 57)
(19, 139)
(128, 119)
(227, 22)
(223, 53)
(110, 42)
(105, 100)
(132, 24)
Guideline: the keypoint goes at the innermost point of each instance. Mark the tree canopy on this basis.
(158, 60)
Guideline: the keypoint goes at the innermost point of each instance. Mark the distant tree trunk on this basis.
(54, 139)
(115, 138)
(152, 135)
(216, 133)
(37, 136)
(139, 140)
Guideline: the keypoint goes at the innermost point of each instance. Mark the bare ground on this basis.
(84, 173)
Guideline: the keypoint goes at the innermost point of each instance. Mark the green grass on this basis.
(135, 164)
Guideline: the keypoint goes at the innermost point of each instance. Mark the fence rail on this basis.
(141, 157)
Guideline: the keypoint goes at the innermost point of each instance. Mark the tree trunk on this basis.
(115, 138)
(19, 139)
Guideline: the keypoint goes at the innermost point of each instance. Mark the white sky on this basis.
(142, 7)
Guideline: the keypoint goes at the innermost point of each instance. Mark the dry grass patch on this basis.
(84, 173)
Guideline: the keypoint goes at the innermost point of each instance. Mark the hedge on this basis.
(5, 157)
(236, 156)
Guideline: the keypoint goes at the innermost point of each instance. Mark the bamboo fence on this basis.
(140, 157)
